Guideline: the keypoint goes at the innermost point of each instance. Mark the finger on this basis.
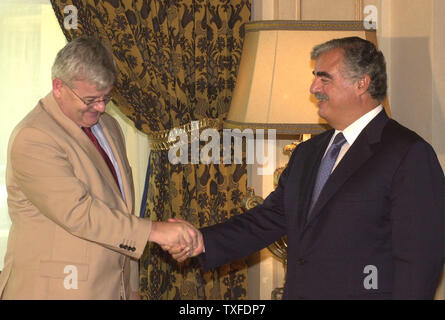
(181, 256)
(176, 250)
(195, 252)
(181, 259)
(186, 252)
(199, 247)
(187, 236)
(191, 235)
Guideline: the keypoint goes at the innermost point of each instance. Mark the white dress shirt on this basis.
(353, 131)
(102, 139)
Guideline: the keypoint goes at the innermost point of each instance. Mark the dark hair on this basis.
(361, 57)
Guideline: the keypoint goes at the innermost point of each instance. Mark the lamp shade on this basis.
(275, 74)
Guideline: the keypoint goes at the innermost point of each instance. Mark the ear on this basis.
(362, 84)
(57, 86)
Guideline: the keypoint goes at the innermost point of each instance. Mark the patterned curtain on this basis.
(177, 62)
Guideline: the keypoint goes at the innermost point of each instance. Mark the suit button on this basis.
(301, 262)
(121, 246)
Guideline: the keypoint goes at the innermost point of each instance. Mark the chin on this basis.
(88, 124)
(322, 113)
(91, 121)
(324, 116)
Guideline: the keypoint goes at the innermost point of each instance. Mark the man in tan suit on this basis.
(70, 191)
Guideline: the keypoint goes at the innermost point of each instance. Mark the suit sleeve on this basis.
(46, 177)
(247, 233)
(417, 217)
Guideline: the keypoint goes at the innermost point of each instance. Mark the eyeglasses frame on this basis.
(105, 99)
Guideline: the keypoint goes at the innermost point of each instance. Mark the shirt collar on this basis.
(353, 130)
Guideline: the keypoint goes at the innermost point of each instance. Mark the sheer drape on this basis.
(29, 41)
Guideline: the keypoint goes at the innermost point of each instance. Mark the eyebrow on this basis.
(322, 74)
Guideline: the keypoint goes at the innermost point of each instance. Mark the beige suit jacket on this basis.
(72, 234)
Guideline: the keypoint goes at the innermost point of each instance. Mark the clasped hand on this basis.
(178, 237)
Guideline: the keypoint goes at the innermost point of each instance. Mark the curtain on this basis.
(177, 63)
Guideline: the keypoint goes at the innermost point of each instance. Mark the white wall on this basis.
(438, 78)
(413, 41)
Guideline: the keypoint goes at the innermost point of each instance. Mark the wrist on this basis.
(153, 237)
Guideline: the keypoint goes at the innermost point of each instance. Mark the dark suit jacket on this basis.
(379, 220)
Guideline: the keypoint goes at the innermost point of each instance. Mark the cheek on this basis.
(86, 114)
(336, 94)
(90, 115)
(89, 119)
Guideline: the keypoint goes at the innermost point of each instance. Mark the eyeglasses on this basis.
(90, 102)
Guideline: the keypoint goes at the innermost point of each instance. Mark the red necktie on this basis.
(102, 152)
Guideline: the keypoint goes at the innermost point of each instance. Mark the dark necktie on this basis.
(93, 138)
(326, 165)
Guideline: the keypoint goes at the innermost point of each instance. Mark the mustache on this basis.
(321, 97)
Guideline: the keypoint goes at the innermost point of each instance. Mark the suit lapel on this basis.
(119, 154)
(97, 158)
(353, 160)
(307, 176)
(50, 105)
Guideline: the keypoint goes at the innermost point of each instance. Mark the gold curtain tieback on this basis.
(158, 141)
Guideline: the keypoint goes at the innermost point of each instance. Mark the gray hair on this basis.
(85, 59)
(361, 57)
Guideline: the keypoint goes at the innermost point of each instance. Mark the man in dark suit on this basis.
(362, 205)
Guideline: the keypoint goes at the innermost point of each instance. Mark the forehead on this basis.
(329, 61)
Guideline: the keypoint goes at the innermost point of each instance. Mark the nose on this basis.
(315, 86)
(99, 106)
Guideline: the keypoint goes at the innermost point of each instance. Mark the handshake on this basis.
(178, 237)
